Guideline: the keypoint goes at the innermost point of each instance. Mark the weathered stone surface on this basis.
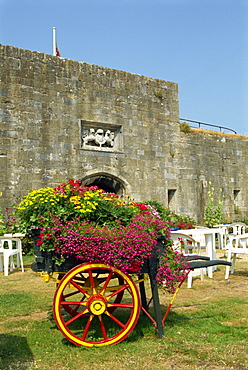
(45, 102)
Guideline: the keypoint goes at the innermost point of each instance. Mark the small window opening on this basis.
(236, 198)
(171, 194)
(235, 194)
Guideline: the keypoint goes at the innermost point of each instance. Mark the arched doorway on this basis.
(107, 182)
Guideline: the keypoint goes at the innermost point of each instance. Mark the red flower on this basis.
(135, 266)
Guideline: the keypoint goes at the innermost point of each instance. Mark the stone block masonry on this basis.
(62, 119)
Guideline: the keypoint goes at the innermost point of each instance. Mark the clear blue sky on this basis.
(200, 44)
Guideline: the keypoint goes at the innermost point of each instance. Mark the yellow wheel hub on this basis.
(97, 304)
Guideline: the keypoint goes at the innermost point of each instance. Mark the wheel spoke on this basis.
(75, 309)
(121, 289)
(64, 303)
(102, 326)
(71, 294)
(118, 322)
(80, 289)
(86, 329)
(106, 283)
(67, 304)
(92, 282)
(67, 323)
(123, 305)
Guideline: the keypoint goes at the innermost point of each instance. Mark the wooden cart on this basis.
(96, 304)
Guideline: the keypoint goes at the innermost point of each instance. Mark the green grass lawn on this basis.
(207, 328)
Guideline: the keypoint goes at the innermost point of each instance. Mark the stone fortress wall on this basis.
(62, 119)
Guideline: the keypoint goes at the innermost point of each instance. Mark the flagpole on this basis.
(54, 41)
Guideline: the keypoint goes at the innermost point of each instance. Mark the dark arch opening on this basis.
(107, 183)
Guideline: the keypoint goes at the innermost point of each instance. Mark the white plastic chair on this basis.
(237, 228)
(187, 244)
(7, 252)
(236, 245)
(222, 235)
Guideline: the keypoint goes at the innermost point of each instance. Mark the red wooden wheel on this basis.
(87, 307)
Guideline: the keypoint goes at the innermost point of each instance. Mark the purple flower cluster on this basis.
(124, 247)
(173, 268)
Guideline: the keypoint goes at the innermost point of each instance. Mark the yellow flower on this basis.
(106, 198)
(75, 199)
(88, 194)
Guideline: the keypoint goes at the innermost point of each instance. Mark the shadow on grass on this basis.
(144, 327)
(15, 353)
(27, 261)
(243, 273)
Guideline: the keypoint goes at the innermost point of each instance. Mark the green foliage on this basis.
(158, 93)
(172, 153)
(214, 213)
(174, 220)
(3, 228)
(184, 127)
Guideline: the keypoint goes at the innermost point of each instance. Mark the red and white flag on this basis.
(56, 51)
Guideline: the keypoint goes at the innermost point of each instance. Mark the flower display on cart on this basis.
(93, 226)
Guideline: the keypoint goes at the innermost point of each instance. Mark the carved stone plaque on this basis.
(100, 136)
